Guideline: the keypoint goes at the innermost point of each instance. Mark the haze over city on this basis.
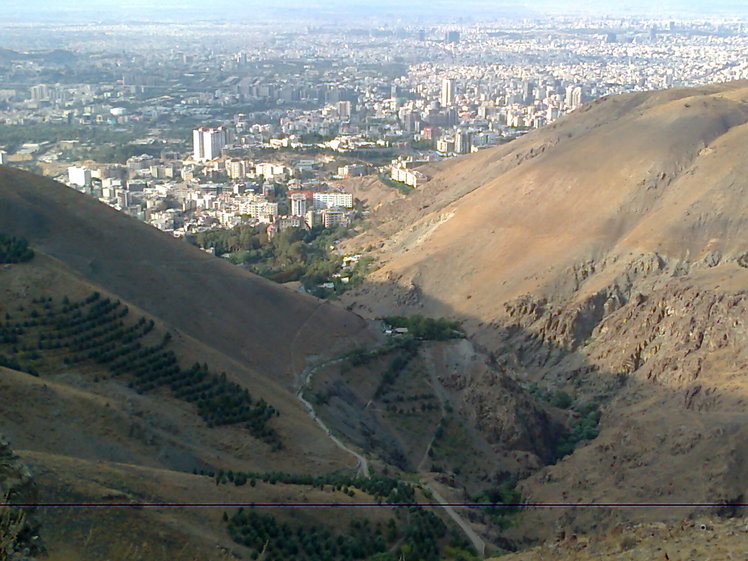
(339, 10)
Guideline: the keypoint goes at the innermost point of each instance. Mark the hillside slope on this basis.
(269, 328)
(605, 256)
(137, 369)
(102, 286)
(640, 173)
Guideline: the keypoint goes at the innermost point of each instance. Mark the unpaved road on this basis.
(306, 376)
(363, 464)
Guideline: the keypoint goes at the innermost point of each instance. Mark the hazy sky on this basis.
(426, 9)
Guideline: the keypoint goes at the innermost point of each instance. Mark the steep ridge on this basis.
(623, 176)
(605, 256)
(269, 328)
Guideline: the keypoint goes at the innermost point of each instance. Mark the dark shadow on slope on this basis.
(519, 404)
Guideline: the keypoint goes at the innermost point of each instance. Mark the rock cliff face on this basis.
(510, 419)
(662, 348)
(680, 335)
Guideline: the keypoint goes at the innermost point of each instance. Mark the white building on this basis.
(352, 170)
(262, 210)
(411, 177)
(332, 217)
(462, 142)
(344, 109)
(79, 176)
(573, 97)
(270, 171)
(236, 169)
(3, 157)
(207, 143)
(334, 199)
(445, 145)
(298, 204)
(447, 97)
(402, 170)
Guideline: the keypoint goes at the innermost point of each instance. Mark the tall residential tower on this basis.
(447, 97)
(207, 142)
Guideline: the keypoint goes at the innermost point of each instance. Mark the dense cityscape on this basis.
(194, 127)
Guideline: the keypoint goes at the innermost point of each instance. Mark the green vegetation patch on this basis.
(448, 451)
(399, 362)
(98, 330)
(584, 427)
(295, 254)
(504, 500)
(14, 250)
(417, 535)
(383, 488)
(429, 329)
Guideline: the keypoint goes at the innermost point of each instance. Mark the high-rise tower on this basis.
(207, 143)
(447, 97)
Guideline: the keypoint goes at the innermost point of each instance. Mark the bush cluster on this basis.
(14, 250)
(418, 536)
(428, 329)
(383, 488)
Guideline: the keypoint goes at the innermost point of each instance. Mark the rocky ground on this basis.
(693, 540)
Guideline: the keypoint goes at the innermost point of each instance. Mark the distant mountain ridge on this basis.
(55, 56)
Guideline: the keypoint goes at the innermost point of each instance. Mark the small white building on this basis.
(79, 176)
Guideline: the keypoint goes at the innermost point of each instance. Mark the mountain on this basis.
(269, 328)
(598, 267)
(603, 256)
(100, 401)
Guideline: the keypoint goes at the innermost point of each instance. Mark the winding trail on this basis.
(306, 376)
(475, 539)
(363, 464)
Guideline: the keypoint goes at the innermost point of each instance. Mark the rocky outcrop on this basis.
(508, 417)
(681, 336)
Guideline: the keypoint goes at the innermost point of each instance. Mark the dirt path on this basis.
(475, 539)
(363, 464)
(306, 376)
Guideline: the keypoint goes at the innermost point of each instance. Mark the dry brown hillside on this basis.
(604, 255)
(269, 328)
(624, 176)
